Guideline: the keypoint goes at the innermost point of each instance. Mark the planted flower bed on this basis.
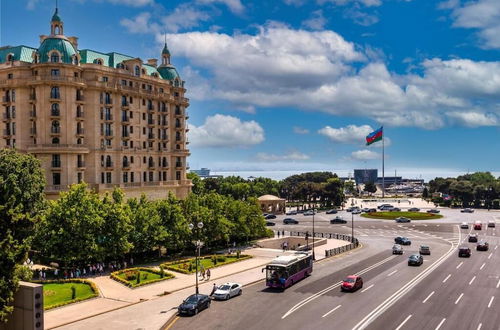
(409, 215)
(134, 277)
(188, 266)
(57, 293)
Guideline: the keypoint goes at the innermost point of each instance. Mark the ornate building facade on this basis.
(107, 119)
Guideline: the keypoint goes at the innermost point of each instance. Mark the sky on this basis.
(296, 85)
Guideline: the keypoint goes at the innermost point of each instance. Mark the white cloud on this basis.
(234, 5)
(360, 17)
(294, 155)
(300, 130)
(226, 131)
(474, 119)
(139, 24)
(185, 16)
(367, 3)
(31, 4)
(364, 154)
(349, 134)
(132, 3)
(317, 21)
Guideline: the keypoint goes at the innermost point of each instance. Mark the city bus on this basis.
(284, 271)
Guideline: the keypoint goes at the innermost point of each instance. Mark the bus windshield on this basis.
(274, 273)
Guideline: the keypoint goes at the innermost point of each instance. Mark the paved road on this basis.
(393, 293)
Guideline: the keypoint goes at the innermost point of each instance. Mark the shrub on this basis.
(221, 258)
(130, 276)
(73, 292)
(145, 276)
(138, 277)
(238, 254)
(162, 272)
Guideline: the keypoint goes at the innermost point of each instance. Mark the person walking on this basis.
(214, 288)
(203, 273)
(208, 274)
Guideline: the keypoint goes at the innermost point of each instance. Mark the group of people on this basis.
(204, 273)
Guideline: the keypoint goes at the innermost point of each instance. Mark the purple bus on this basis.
(284, 271)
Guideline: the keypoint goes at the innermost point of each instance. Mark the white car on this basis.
(291, 212)
(227, 291)
(464, 225)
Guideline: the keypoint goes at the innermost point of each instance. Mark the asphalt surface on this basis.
(436, 295)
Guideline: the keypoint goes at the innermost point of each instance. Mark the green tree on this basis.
(147, 231)
(21, 199)
(173, 222)
(198, 184)
(370, 187)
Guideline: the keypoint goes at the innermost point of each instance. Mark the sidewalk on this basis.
(116, 296)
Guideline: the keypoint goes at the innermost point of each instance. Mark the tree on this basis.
(21, 199)
(198, 183)
(370, 187)
(425, 193)
(173, 222)
(147, 231)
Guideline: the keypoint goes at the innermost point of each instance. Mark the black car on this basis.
(193, 304)
(435, 211)
(402, 240)
(482, 246)
(414, 209)
(415, 260)
(491, 224)
(463, 252)
(337, 220)
(290, 221)
(270, 216)
(402, 219)
(395, 209)
(372, 210)
(270, 223)
(472, 238)
(331, 211)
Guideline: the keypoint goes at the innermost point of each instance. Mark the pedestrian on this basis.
(283, 233)
(278, 234)
(214, 288)
(203, 273)
(131, 261)
(208, 274)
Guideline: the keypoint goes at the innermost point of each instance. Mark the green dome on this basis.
(56, 18)
(63, 46)
(165, 50)
(168, 72)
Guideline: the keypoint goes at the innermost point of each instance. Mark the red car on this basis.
(352, 283)
(478, 226)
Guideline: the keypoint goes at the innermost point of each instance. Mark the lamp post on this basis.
(352, 221)
(198, 243)
(314, 234)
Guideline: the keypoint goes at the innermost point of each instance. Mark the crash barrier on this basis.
(335, 251)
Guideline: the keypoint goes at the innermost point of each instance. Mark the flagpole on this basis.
(383, 165)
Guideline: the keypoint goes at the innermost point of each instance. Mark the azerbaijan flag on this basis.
(375, 136)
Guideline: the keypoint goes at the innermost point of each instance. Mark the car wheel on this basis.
(239, 293)
(208, 303)
(195, 311)
(227, 297)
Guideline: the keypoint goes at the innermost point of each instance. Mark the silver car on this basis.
(227, 291)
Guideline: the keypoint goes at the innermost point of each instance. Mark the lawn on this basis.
(409, 215)
(188, 266)
(129, 276)
(58, 294)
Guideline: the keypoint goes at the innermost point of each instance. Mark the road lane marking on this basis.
(460, 265)
(392, 273)
(491, 301)
(482, 266)
(440, 324)
(489, 257)
(368, 288)
(333, 310)
(403, 323)
(459, 297)
(498, 284)
(447, 277)
(479, 326)
(496, 247)
(430, 295)
(331, 287)
(472, 280)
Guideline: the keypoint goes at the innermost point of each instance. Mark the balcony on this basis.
(108, 117)
(126, 165)
(6, 99)
(109, 165)
(108, 101)
(79, 114)
(178, 164)
(151, 165)
(55, 130)
(125, 119)
(125, 104)
(32, 97)
(55, 113)
(151, 136)
(125, 135)
(56, 164)
(55, 97)
(151, 122)
(80, 131)
(164, 137)
(108, 133)
(80, 164)
(80, 98)
(151, 108)
(7, 132)
(164, 165)
(163, 123)
(54, 188)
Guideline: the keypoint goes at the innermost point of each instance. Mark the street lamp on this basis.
(198, 244)
(314, 235)
(352, 221)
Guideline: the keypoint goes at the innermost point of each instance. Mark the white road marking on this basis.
(392, 273)
(458, 299)
(447, 277)
(498, 284)
(333, 310)
(482, 266)
(403, 323)
(430, 295)
(491, 301)
(472, 280)
(368, 288)
(460, 265)
(489, 257)
(479, 326)
(440, 324)
(496, 247)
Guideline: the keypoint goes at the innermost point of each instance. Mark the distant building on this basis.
(205, 173)
(365, 176)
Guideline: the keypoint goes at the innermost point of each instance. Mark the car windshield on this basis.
(191, 299)
(224, 287)
(414, 256)
(349, 280)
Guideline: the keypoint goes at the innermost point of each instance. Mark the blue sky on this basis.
(296, 85)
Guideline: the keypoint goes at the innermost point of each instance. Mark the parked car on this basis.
(270, 216)
(463, 252)
(424, 249)
(352, 283)
(478, 225)
(472, 238)
(482, 246)
(309, 212)
(384, 205)
(290, 221)
(467, 210)
(270, 223)
(397, 249)
(332, 211)
(194, 304)
(395, 209)
(402, 219)
(491, 223)
(349, 209)
(386, 208)
(402, 240)
(356, 211)
(435, 211)
(415, 260)
(464, 225)
(227, 291)
(294, 212)
(414, 209)
(372, 210)
(365, 209)
(337, 220)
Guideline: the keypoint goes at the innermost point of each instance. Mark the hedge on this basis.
(92, 285)
(130, 284)
(394, 215)
(169, 265)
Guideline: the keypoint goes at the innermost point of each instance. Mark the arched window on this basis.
(150, 162)
(10, 57)
(125, 161)
(143, 71)
(55, 140)
(98, 61)
(164, 162)
(177, 123)
(79, 112)
(108, 161)
(54, 111)
(74, 60)
(137, 71)
(154, 74)
(55, 128)
(54, 93)
(37, 58)
(54, 57)
(176, 83)
(79, 141)
(120, 66)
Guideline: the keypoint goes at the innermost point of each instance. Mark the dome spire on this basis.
(56, 24)
(165, 53)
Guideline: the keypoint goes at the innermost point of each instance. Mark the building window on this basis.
(54, 110)
(55, 128)
(10, 58)
(151, 176)
(74, 60)
(108, 177)
(178, 175)
(54, 72)
(131, 176)
(125, 177)
(79, 177)
(105, 79)
(144, 177)
(55, 140)
(54, 93)
(132, 159)
(137, 71)
(102, 177)
(54, 57)
(56, 179)
(79, 141)
(109, 163)
(10, 76)
(56, 160)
